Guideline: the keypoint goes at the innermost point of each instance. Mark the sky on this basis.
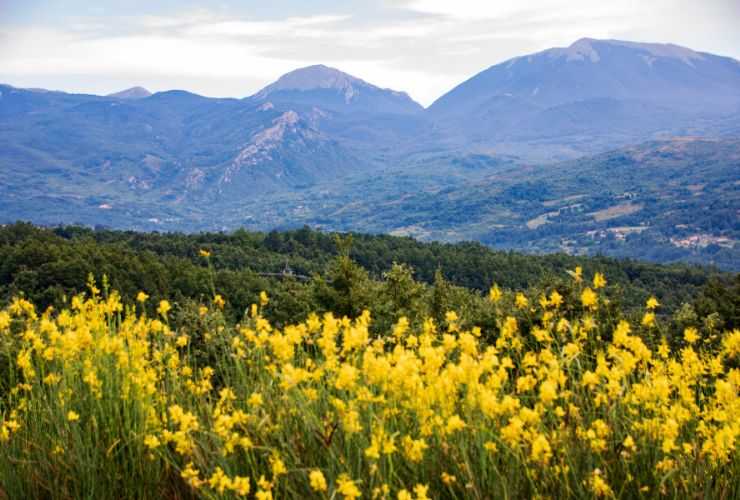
(227, 48)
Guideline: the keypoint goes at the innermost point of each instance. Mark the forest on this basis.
(307, 270)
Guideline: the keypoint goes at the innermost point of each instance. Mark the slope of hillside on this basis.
(663, 200)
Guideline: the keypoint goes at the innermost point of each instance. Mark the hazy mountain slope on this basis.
(666, 75)
(170, 145)
(592, 95)
(663, 200)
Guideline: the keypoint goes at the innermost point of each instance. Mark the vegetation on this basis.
(197, 368)
(559, 395)
(49, 266)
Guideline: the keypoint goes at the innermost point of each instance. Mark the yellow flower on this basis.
(219, 481)
(141, 297)
(629, 444)
(263, 495)
(454, 424)
(413, 449)
(589, 298)
(240, 486)
(204, 253)
(541, 451)
(521, 301)
(599, 281)
(151, 441)
(599, 487)
(219, 301)
(277, 466)
(652, 303)
(264, 299)
(73, 416)
(494, 294)
(577, 274)
(448, 479)
(347, 488)
(690, 335)
(255, 399)
(164, 308)
(317, 480)
(346, 377)
(405, 495)
(648, 319)
(421, 492)
(190, 475)
(548, 391)
(556, 299)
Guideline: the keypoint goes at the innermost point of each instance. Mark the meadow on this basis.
(560, 396)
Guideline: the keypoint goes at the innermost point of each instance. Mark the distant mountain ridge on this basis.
(318, 137)
(593, 95)
(660, 73)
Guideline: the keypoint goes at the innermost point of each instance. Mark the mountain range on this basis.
(491, 160)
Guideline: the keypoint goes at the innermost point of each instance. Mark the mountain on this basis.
(135, 156)
(132, 93)
(594, 94)
(331, 89)
(84, 157)
(379, 123)
(667, 200)
(604, 146)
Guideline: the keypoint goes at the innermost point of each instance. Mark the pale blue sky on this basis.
(233, 48)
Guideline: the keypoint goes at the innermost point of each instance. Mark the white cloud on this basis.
(424, 47)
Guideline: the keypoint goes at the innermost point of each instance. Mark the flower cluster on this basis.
(568, 403)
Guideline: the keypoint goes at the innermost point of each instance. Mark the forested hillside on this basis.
(306, 270)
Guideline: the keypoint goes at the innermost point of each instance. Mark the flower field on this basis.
(563, 399)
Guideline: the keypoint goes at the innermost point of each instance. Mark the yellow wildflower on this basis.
(347, 488)
(599, 281)
(690, 335)
(652, 303)
(589, 299)
(151, 441)
(317, 480)
(164, 308)
(521, 301)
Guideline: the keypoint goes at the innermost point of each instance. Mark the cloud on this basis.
(424, 47)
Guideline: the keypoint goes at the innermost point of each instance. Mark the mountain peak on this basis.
(592, 48)
(316, 77)
(329, 88)
(132, 93)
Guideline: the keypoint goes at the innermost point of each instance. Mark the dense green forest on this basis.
(306, 270)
